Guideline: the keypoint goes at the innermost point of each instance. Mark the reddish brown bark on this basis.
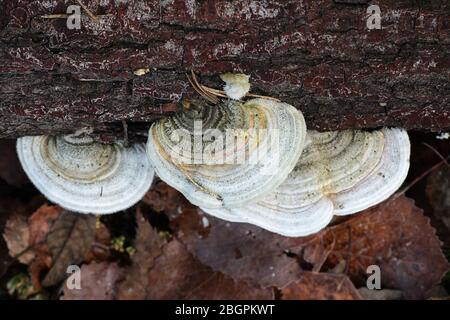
(317, 55)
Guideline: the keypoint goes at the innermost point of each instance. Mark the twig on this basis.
(89, 12)
(17, 256)
(420, 177)
(101, 246)
(222, 93)
(65, 16)
(211, 92)
(55, 16)
(198, 87)
(437, 153)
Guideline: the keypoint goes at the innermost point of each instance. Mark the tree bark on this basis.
(318, 55)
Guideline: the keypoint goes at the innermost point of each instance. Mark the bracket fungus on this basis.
(86, 176)
(228, 154)
(338, 173)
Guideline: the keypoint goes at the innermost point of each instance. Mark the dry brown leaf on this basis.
(321, 286)
(242, 251)
(169, 271)
(438, 193)
(69, 240)
(98, 282)
(176, 274)
(5, 258)
(100, 251)
(17, 237)
(148, 244)
(11, 206)
(42, 262)
(395, 236)
(398, 238)
(41, 221)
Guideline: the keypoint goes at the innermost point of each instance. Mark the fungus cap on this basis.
(86, 176)
(237, 85)
(338, 173)
(214, 168)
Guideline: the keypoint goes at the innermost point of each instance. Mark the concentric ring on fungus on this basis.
(338, 173)
(85, 176)
(269, 135)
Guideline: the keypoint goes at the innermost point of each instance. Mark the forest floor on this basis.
(165, 248)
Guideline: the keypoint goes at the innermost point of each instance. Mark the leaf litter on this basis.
(197, 256)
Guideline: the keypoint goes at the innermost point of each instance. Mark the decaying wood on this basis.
(318, 55)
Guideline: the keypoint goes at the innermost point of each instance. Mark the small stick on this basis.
(89, 12)
(200, 92)
(437, 153)
(221, 93)
(204, 93)
(65, 16)
(55, 16)
(420, 177)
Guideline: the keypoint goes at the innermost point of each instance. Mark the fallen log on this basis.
(129, 59)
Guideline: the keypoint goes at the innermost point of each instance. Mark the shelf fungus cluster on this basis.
(286, 183)
(86, 176)
(248, 161)
(229, 154)
(339, 173)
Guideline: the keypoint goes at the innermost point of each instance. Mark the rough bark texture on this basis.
(318, 55)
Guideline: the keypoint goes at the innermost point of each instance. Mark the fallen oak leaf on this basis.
(5, 258)
(98, 281)
(8, 207)
(17, 238)
(69, 240)
(321, 286)
(100, 250)
(42, 262)
(241, 251)
(394, 235)
(176, 274)
(148, 244)
(41, 221)
(398, 238)
(438, 194)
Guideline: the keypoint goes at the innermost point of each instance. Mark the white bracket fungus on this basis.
(240, 152)
(284, 191)
(338, 173)
(85, 176)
